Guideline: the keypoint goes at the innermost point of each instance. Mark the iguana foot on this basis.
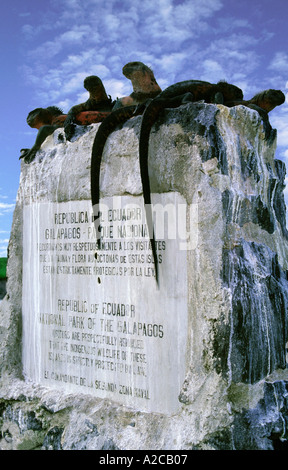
(187, 98)
(28, 155)
(69, 131)
(23, 153)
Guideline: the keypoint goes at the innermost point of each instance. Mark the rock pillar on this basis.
(198, 362)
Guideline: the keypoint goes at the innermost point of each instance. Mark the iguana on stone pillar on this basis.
(47, 120)
(174, 96)
(143, 99)
(191, 90)
(263, 102)
(144, 85)
(266, 100)
(97, 101)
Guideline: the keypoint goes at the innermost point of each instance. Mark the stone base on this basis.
(229, 351)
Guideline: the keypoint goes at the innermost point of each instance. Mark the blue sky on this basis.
(50, 46)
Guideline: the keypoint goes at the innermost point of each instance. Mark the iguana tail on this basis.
(149, 117)
(119, 116)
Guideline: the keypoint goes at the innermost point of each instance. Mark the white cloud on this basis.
(231, 23)
(48, 50)
(65, 105)
(74, 35)
(112, 23)
(74, 83)
(279, 62)
(28, 30)
(177, 39)
(213, 68)
(279, 120)
(117, 88)
(85, 59)
(171, 61)
(5, 207)
(23, 15)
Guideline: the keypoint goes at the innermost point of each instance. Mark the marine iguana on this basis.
(145, 88)
(144, 85)
(263, 102)
(46, 120)
(266, 100)
(174, 96)
(192, 90)
(98, 101)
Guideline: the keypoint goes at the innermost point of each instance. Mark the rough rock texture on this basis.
(235, 392)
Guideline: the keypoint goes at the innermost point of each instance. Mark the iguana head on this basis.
(42, 116)
(94, 85)
(142, 77)
(268, 99)
(39, 117)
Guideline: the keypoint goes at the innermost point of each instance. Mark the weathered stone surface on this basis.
(234, 394)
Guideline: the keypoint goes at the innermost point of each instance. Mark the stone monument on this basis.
(94, 353)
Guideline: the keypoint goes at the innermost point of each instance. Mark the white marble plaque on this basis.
(102, 325)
